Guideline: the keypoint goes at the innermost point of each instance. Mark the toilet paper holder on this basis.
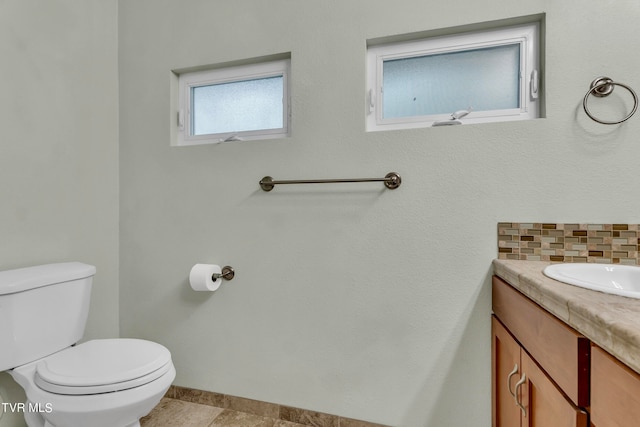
(227, 273)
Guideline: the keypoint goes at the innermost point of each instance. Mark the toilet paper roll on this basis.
(200, 277)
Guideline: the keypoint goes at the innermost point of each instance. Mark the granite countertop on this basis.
(612, 322)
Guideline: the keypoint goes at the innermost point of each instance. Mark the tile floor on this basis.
(173, 412)
(187, 407)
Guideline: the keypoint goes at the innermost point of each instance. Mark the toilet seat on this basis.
(102, 366)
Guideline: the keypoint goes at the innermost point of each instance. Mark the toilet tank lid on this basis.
(23, 279)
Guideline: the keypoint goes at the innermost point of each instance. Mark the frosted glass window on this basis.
(238, 106)
(492, 74)
(480, 80)
(233, 104)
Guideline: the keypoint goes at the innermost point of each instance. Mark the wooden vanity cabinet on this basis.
(540, 366)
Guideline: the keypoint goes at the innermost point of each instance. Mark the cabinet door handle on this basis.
(515, 371)
(518, 403)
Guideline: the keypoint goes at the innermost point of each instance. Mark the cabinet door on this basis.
(544, 405)
(506, 372)
(561, 352)
(615, 392)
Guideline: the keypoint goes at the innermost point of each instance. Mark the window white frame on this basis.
(189, 80)
(527, 36)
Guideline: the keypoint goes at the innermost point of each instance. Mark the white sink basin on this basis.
(609, 278)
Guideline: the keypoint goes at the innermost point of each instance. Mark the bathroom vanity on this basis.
(562, 355)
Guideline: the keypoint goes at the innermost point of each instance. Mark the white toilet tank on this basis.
(43, 309)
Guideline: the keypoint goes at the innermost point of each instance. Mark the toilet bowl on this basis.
(98, 383)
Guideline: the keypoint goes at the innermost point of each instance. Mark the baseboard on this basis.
(265, 409)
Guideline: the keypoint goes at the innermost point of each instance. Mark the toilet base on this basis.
(33, 419)
(47, 424)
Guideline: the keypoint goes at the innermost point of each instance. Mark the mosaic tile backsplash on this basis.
(602, 243)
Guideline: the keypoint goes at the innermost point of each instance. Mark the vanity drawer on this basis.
(559, 350)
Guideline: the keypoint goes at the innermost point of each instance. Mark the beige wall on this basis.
(351, 300)
(59, 151)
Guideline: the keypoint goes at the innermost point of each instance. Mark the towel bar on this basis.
(391, 180)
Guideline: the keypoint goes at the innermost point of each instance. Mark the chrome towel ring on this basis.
(602, 87)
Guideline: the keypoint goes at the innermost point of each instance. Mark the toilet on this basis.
(98, 383)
